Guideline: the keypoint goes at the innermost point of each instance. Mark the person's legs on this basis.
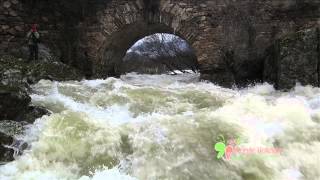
(36, 52)
(30, 53)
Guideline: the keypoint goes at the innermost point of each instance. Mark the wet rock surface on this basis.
(16, 109)
(14, 101)
(15, 105)
(33, 113)
(6, 153)
(9, 144)
(18, 71)
(15, 77)
(12, 128)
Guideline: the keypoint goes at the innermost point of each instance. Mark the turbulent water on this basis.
(165, 128)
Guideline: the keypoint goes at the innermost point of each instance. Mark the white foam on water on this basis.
(108, 174)
(165, 127)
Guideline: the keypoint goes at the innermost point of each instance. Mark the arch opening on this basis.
(160, 53)
(114, 52)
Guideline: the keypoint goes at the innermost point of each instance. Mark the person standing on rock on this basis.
(33, 39)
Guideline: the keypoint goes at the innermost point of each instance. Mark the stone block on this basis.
(6, 4)
(13, 13)
(19, 28)
(5, 27)
(14, 1)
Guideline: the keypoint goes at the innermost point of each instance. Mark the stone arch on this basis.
(231, 38)
(121, 23)
(149, 55)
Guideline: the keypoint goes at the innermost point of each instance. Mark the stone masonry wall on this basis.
(230, 38)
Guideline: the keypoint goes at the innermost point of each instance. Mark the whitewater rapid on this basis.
(162, 127)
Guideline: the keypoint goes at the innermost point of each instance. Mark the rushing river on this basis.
(165, 127)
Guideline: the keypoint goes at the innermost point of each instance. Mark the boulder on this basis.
(294, 59)
(12, 128)
(6, 153)
(17, 71)
(33, 113)
(15, 76)
(15, 105)
(12, 72)
(8, 144)
(55, 71)
(14, 102)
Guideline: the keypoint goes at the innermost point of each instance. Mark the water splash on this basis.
(165, 127)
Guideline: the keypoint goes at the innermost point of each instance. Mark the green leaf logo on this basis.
(220, 146)
(221, 149)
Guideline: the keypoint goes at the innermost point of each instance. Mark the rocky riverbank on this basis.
(15, 103)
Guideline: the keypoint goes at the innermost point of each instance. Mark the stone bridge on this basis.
(230, 37)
